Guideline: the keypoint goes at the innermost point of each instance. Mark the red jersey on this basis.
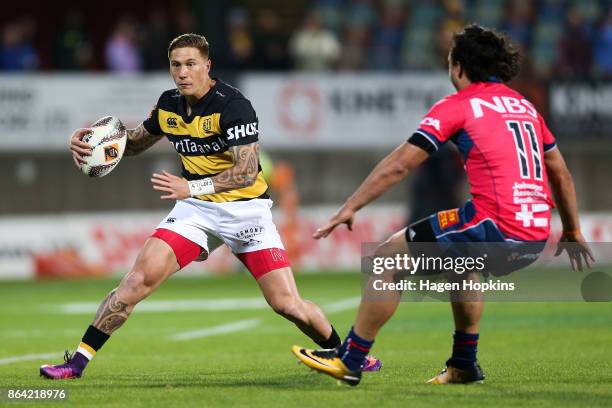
(502, 139)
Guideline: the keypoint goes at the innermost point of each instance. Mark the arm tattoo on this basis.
(244, 171)
(111, 314)
(139, 140)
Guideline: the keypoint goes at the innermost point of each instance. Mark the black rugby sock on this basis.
(92, 341)
(332, 342)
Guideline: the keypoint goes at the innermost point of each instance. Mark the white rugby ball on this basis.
(107, 139)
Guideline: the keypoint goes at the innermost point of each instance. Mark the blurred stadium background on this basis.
(336, 84)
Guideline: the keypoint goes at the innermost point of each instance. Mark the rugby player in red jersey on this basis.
(512, 162)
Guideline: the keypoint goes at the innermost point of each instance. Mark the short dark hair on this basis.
(190, 40)
(484, 53)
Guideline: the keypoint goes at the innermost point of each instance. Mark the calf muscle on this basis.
(111, 314)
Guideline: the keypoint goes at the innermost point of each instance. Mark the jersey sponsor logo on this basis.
(111, 152)
(448, 218)
(189, 146)
(503, 104)
(528, 212)
(527, 193)
(277, 255)
(241, 131)
(172, 123)
(251, 242)
(207, 124)
(435, 123)
(170, 220)
(250, 232)
(248, 235)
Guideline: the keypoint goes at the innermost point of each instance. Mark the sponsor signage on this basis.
(76, 245)
(347, 111)
(40, 112)
(341, 111)
(581, 109)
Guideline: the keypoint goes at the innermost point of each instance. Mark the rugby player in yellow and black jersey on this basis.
(220, 199)
(208, 134)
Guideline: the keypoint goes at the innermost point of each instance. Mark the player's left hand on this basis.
(577, 249)
(343, 216)
(176, 187)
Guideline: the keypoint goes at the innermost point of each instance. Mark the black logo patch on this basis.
(172, 123)
(248, 235)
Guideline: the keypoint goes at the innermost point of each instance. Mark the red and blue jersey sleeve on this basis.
(443, 120)
(547, 137)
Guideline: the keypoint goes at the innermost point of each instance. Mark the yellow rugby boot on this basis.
(326, 361)
(453, 375)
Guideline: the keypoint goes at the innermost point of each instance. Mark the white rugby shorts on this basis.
(244, 226)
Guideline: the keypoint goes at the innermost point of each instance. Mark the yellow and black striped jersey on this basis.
(220, 119)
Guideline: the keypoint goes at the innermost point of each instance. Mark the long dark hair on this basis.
(483, 54)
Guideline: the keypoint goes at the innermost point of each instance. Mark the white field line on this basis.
(39, 332)
(342, 305)
(156, 306)
(240, 325)
(28, 357)
(226, 304)
(185, 305)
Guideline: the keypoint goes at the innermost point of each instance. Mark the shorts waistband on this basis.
(264, 196)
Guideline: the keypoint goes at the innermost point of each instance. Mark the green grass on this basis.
(534, 354)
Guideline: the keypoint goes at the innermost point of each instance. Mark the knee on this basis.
(290, 307)
(138, 284)
(133, 289)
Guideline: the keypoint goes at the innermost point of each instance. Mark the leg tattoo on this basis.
(111, 314)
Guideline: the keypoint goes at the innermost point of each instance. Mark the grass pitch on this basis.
(533, 354)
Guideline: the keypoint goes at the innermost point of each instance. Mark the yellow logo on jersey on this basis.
(201, 126)
(448, 218)
(207, 125)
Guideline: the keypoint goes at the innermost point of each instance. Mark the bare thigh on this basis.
(154, 264)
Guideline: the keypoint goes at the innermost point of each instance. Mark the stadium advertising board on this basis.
(76, 245)
(39, 112)
(295, 111)
(581, 109)
(341, 111)
(347, 111)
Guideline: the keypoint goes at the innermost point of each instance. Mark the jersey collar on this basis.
(200, 105)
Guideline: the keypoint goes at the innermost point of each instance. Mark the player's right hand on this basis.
(78, 147)
(577, 249)
(343, 216)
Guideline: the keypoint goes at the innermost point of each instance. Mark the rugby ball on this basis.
(107, 139)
